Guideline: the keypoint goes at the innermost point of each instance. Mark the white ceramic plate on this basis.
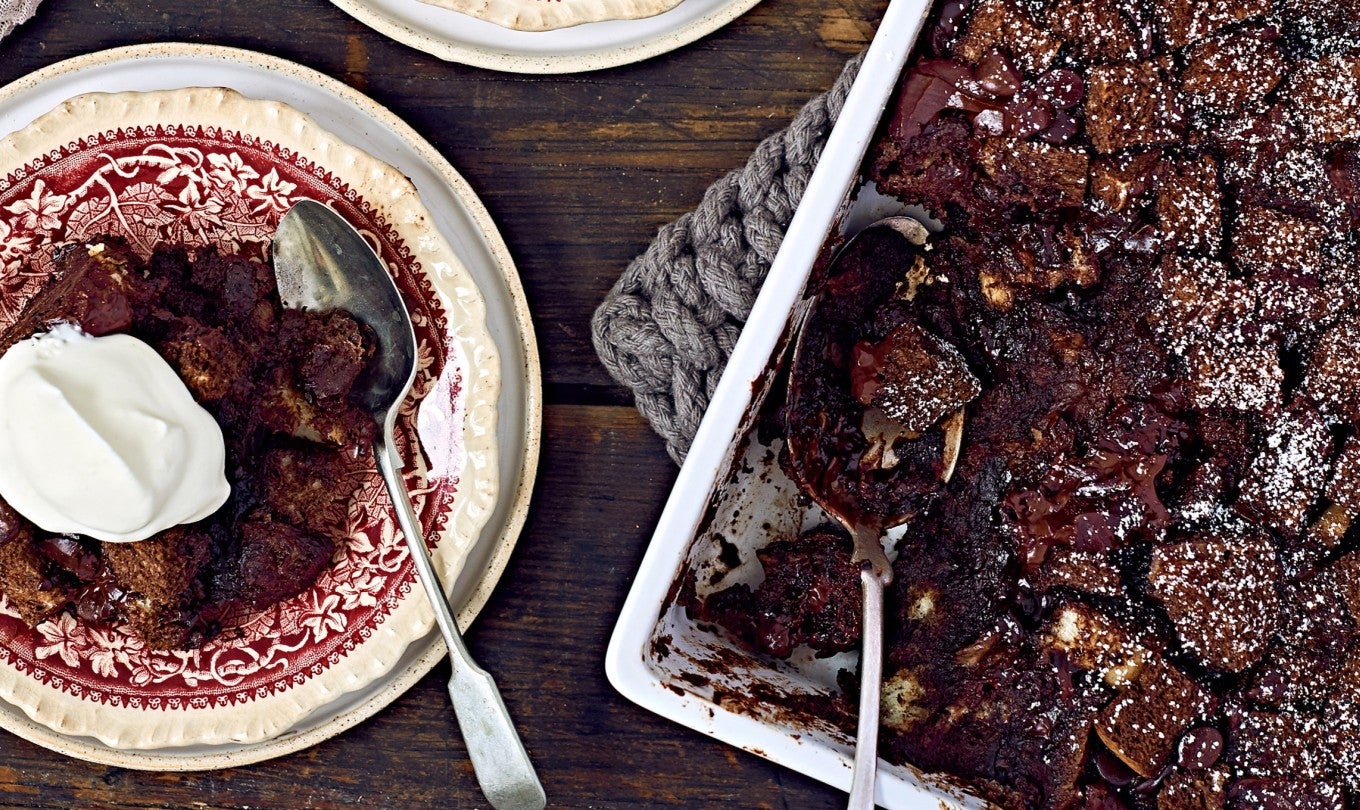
(461, 231)
(661, 658)
(591, 46)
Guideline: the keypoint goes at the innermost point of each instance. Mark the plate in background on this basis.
(457, 37)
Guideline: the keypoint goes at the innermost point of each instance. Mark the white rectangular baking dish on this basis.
(731, 486)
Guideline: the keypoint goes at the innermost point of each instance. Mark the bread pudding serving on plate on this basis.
(274, 380)
(1141, 586)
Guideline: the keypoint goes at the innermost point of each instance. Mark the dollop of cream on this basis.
(99, 436)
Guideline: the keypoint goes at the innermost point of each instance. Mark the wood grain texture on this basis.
(579, 171)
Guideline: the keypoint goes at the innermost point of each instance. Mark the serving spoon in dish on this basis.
(819, 463)
(321, 262)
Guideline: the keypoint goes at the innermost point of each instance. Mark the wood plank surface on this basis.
(579, 171)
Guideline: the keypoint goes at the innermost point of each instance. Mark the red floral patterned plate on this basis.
(208, 166)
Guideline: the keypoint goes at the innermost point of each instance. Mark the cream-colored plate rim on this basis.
(457, 37)
(496, 542)
(538, 15)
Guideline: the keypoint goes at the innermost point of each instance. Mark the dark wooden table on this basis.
(579, 171)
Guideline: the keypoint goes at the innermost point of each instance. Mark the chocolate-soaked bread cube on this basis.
(329, 352)
(161, 568)
(27, 590)
(1194, 298)
(277, 561)
(1293, 677)
(1342, 712)
(1323, 99)
(1228, 442)
(1144, 721)
(1317, 28)
(1084, 571)
(1346, 571)
(911, 375)
(1343, 169)
(1287, 475)
(1001, 24)
(1051, 757)
(1328, 530)
(161, 578)
(248, 288)
(173, 263)
(1181, 22)
(977, 719)
(932, 167)
(1250, 146)
(1280, 745)
(1194, 790)
(1118, 181)
(1199, 500)
(186, 294)
(1188, 208)
(95, 286)
(1312, 617)
(1221, 594)
(305, 393)
(1091, 641)
(1132, 104)
(810, 595)
(1253, 793)
(206, 359)
(285, 408)
(1230, 73)
(1048, 176)
(1302, 182)
(309, 485)
(1296, 310)
(1332, 376)
(1269, 241)
(1236, 367)
(1186, 299)
(1343, 488)
(1097, 29)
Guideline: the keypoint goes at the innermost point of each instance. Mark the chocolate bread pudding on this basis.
(276, 381)
(1141, 587)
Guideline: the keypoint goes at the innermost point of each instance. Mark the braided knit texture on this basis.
(14, 12)
(669, 324)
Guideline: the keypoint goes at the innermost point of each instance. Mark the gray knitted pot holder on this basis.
(669, 325)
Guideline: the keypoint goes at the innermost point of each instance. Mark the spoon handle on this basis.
(865, 775)
(503, 769)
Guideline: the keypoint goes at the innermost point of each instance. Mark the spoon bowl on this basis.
(821, 468)
(321, 262)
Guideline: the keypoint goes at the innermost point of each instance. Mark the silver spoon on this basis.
(320, 263)
(817, 478)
